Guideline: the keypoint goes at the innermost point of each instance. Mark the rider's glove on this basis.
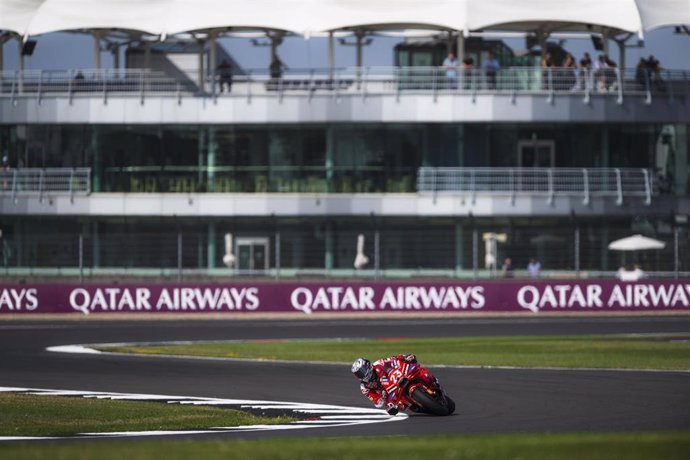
(410, 358)
(392, 409)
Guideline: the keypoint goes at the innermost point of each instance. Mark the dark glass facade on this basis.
(334, 158)
(326, 158)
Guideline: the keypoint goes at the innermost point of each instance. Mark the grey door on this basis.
(252, 253)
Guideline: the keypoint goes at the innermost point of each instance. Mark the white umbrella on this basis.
(636, 243)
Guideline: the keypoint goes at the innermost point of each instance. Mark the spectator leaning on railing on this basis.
(547, 67)
(450, 64)
(491, 68)
(568, 75)
(585, 71)
(467, 66)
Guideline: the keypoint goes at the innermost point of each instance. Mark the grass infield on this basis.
(39, 415)
(627, 352)
(628, 446)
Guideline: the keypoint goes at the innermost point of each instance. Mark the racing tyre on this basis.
(429, 404)
(450, 404)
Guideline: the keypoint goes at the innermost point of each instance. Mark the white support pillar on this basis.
(20, 55)
(449, 42)
(460, 44)
(116, 58)
(213, 58)
(331, 59)
(147, 54)
(359, 34)
(200, 76)
(621, 57)
(20, 64)
(97, 49)
(605, 42)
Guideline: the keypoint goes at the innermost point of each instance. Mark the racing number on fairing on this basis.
(394, 376)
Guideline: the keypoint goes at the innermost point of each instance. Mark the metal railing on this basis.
(45, 181)
(350, 81)
(547, 182)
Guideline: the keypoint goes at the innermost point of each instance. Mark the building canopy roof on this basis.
(167, 17)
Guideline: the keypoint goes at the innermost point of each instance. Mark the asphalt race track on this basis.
(488, 400)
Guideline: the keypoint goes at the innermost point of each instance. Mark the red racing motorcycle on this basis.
(418, 391)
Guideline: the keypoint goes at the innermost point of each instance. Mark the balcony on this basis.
(439, 192)
(548, 183)
(348, 94)
(41, 182)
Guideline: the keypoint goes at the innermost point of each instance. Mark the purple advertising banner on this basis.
(337, 297)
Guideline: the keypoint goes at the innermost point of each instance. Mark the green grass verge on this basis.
(629, 352)
(629, 446)
(38, 415)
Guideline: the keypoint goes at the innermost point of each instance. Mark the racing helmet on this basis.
(363, 369)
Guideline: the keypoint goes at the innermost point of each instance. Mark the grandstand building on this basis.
(160, 166)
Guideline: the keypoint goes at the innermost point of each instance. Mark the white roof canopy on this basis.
(164, 17)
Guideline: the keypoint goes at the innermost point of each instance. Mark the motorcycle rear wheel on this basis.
(451, 405)
(429, 404)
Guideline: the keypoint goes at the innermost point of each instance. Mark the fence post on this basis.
(71, 189)
(676, 256)
(549, 175)
(105, 86)
(70, 80)
(377, 253)
(434, 85)
(619, 187)
(81, 257)
(277, 255)
(141, 88)
(475, 253)
(647, 187)
(585, 181)
(40, 87)
(249, 86)
(40, 186)
(577, 252)
(364, 83)
(619, 77)
(179, 256)
(14, 186)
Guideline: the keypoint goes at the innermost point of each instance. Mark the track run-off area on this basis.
(489, 400)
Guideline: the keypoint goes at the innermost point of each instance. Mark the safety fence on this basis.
(298, 248)
(547, 182)
(37, 182)
(350, 81)
(513, 182)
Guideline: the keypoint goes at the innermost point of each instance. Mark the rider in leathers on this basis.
(374, 381)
